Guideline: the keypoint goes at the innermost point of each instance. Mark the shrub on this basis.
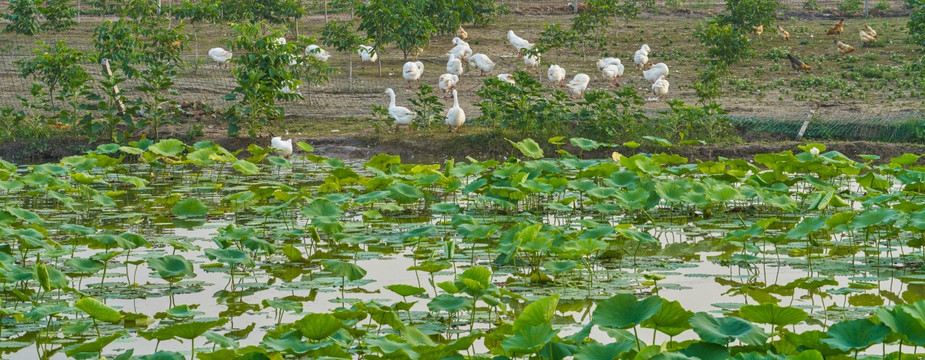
(744, 15)
(23, 17)
(916, 22)
(724, 44)
(850, 7)
(259, 78)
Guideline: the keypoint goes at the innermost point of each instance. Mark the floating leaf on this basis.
(190, 207)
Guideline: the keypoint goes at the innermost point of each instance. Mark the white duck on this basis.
(518, 42)
(660, 88)
(482, 62)
(461, 49)
(607, 61)
(454, 65)
(317, 52)
(281, 40)
(280, 146)
(612, 73)
(455, 117)
(412, 71)
(577, 86)
(401, 114)
(367, 55)
(556, 75)
(532, 62)
(447, 82)
(507, 78)
(657, 71)
(641, 58)
(221, 56)
(290, 87)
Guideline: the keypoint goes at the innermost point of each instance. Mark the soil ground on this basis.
(872, 84)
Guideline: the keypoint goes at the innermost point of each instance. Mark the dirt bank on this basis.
(422, 147)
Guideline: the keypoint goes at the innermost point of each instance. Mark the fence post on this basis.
(866, 8)
(108, 73)
(806, 122)
(575, 7)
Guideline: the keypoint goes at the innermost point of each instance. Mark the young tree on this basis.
(196, 14)
(58, 14)
(23, 17)
(400, 22)
(161, 47)
(339, 34)
(57, 71)
(260, 76)
(916, 22)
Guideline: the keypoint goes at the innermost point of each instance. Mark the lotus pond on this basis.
(170, 251)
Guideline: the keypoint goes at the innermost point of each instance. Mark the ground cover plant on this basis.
(172, 250)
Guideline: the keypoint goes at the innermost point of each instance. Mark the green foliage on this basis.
(270, 11)
(339, 34)
(57, 70)
(260, 75)
(745, 15)
(58, 14)
(409, 24)
(23, 17)
(916, 22)
(602, 115)
(851, 7)
(427, 106)
(725, 43)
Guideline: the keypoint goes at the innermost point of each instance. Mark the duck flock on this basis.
(461, 54)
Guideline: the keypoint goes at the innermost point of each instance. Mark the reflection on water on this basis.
(701, 271)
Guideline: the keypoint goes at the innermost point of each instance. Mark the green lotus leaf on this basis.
(318, 326)
(671, 319)
(528, 340)
(405, 290)
(231, 257)
(404, 193)
(244, 167)
(95, 346)
(529, 148)
(772, 314)
(344, 269)
(855, 334)
(726, 329)
(597, 351)
(536, 313)
(98, 310)
(449, 303)
(189, 207)
(172, 266)
(585, 144)
(168, 147)
(624, 311)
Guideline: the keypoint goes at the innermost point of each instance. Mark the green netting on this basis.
(902, 127)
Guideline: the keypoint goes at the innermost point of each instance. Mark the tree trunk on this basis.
(325, 10)
(350, 62)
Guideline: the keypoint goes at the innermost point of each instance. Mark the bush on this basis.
(603, 115)
(917, 21)
(724, 44)
(744, 15)
(850, 7)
